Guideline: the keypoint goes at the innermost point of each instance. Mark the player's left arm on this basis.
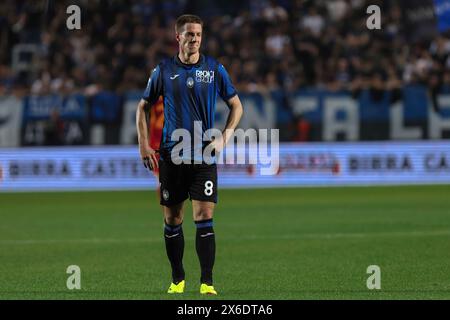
(233, 119)
(229, 95)
(236, 111)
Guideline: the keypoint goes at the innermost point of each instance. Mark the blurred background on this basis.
(312, 69)
(354, 107)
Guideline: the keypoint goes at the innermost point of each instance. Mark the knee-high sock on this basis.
(174, 239)
(205, 243)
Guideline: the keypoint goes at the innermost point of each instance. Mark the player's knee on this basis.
(173, 215)
(204, 214)
(174, 220)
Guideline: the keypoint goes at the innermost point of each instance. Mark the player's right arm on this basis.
(148, 155)
(151, 95)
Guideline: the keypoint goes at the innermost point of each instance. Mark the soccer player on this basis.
(189, 83)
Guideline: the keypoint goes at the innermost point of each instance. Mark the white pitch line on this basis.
(313, 236)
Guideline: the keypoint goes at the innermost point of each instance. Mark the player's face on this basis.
(190, 38)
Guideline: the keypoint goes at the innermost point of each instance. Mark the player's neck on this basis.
(188, 59)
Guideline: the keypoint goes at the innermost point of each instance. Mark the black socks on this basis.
(174, 238)
(205, 244)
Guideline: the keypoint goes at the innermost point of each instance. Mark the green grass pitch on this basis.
(293, 243)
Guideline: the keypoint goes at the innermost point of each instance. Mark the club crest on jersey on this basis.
(204, 76)
(190, 82)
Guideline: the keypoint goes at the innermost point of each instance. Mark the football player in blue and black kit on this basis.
(189, 83)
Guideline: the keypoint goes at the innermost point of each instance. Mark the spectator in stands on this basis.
(274, 13)
(54, 130)
(7, 80)
(313, 22)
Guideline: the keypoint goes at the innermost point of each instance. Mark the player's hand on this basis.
(218, 144)
(148, 156)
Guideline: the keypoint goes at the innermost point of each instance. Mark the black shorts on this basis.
(178, 182)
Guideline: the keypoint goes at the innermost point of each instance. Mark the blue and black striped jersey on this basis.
(189, 93)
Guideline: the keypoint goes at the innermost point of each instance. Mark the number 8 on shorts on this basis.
(209, 188)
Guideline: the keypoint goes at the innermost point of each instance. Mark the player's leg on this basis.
(174, 240)
(205, 242)
(173, 193)
(203, 192)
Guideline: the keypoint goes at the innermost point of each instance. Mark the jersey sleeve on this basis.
(225, 87)
(154, 87)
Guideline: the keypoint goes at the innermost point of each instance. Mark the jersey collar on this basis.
(199, 62)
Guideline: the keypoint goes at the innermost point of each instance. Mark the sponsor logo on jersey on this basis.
(204, 76)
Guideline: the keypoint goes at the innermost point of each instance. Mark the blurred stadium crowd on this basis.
(265, 45)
